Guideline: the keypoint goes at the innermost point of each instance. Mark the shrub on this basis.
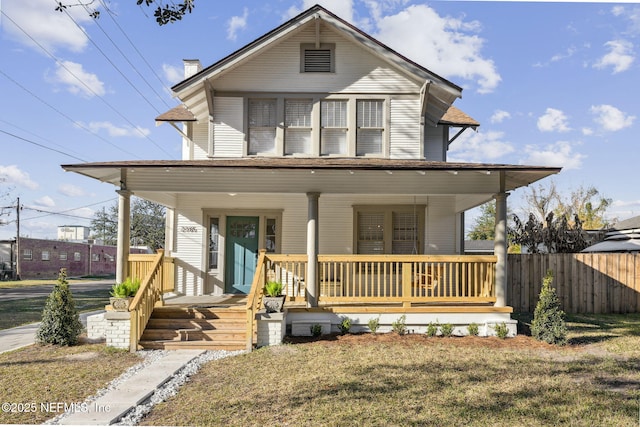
(60, 320)
(374, 324)
(473, 329)
(548, 323)
(400, 325)
(128, 288)
(502, 331)
(446, 330)
(345, 325)
(432, 329)
(316, 330)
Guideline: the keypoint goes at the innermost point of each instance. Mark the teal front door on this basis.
(241, 253)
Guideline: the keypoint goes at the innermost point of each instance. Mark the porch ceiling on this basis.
(471, 183)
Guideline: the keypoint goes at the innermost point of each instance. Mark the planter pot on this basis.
(120, 304)
(273, 304)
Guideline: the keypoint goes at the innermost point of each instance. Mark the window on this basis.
(317, 59)
(262, 126)
(95, 257)
(333, 122)
(297, 122)
(63, 256)
(45, 255)
(27, 254)
(109, 258)
(369, 127)
(77, 256)
(270, 235)
(214, 239)
(389, 229)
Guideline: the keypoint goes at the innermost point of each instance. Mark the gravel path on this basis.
(168, 389)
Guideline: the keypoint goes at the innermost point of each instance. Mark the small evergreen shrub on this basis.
(316, 330)
(473, 329)
(548, 323)
(60, 320)
(502, 330)
(374, 324)
(345, 325)
(446, 330)
(432, 329)
(400, 325)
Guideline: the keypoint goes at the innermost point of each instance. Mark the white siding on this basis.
(228, 134)
(278, 69)
(434, 143)
(200, 137)
(441, 226)
(404, 138)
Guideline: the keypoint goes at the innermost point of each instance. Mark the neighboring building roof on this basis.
(627, 224)
(177, 114)
(629, 245)
(479, 246)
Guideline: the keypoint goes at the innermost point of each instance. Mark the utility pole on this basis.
(18, 239)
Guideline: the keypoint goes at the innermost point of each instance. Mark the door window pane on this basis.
(270, 243)
(214, 239)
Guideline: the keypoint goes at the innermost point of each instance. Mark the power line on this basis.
(61, 64)
(61, 213)
(74, 122)
(41, 146)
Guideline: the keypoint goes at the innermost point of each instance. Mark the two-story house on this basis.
(328, 150)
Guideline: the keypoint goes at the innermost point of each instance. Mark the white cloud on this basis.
(237, 23)
(610, 118)
(117, 131)
(77, 80)
(71, 190)
(499, 116)
(49, 28)
(587, 131)
(559, 154)
(45, 201)
(450, 48)
(619, 57)
(479, 147)
(553, 121)
(172, 73)
(13, 175)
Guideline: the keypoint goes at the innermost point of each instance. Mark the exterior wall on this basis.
(405, 129)
(335, 223)
(37, 268)
(435, 143)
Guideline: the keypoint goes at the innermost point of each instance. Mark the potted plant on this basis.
(273, 299)
(123, 293)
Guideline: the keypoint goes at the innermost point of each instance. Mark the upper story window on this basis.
(370, 127)
(317, 59)
(262, 125)
(333, 122)
(297, 126)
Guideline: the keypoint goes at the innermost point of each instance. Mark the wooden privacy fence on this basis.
(585, 283)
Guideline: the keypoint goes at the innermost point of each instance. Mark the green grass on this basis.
(38, 375)
(44, 282)
(22, 311)
(412, 380)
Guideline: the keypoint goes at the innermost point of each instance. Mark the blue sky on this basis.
(552, 84)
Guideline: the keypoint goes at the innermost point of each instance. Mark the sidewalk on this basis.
(22, 336)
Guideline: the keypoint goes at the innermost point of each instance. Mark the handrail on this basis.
(255, 297)
(149, 293)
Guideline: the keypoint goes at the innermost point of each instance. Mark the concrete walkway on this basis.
(109, 408)
(22, 336)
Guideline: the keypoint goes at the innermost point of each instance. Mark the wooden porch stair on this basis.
(196, 327)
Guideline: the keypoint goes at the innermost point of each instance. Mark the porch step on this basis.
(190, 327)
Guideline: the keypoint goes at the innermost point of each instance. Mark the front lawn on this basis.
(413, 380)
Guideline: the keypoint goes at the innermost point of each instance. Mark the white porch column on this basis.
(124, 239)
(500, 249)
(312, 250)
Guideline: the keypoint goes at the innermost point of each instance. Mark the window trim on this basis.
(27, 254)
(388, 211)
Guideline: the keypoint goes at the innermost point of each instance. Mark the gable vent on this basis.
(317, 61)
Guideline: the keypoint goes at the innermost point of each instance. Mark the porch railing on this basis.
(151, 269)
(381, 279)
(138, 265)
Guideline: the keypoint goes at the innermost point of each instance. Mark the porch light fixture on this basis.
(351, 172)
(485, 172)
(423, 173)
(389, 172)
(232, 194)
(453, 172)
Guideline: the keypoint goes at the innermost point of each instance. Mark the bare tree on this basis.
(164, 13)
